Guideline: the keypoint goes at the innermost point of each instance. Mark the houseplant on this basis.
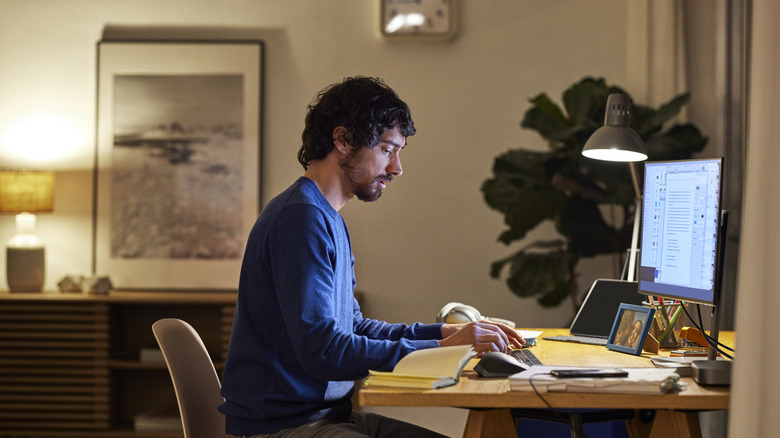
(560, 185)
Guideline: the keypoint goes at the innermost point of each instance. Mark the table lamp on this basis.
(25, 192)
(616, 141)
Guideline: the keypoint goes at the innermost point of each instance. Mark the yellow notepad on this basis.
(426, 369)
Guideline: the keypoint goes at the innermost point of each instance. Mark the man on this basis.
(299, 340)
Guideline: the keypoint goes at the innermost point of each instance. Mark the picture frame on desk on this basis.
(177, 161)
(630, 328)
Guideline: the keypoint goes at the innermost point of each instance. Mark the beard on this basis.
(363, 185)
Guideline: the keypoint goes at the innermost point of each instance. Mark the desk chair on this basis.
(194, 378)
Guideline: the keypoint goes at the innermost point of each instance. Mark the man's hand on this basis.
(483, 335)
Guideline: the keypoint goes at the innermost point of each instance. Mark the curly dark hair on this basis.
(365, 106)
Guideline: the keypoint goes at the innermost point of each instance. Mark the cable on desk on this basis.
(716, 345)
(565, 419)
(698, 309)
(536, 391)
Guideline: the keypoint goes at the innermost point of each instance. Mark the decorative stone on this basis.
(98, 285)
(71, 283)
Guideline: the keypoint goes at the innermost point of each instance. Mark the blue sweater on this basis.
(299, 340)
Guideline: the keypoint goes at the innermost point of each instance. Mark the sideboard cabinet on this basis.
(84, 365)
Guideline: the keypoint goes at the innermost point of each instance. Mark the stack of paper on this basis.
(639, 381)
(680, 365)
(530, 336)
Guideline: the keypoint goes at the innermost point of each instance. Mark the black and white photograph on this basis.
(178, 161)
(176, 178)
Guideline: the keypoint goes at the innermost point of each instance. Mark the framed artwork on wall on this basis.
(177, 161)
(630, 328)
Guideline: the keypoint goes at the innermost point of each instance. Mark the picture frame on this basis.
(177, 182)
(630, 328)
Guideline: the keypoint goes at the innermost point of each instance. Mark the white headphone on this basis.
(454, 313)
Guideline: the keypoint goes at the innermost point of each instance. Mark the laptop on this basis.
(594, 320)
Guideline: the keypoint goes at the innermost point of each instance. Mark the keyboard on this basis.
(579, 339)
(525, 356)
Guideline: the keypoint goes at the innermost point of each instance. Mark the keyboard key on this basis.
(526, 356)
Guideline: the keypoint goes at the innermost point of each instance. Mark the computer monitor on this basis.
(681, 210)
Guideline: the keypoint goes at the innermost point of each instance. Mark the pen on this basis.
(670, 325)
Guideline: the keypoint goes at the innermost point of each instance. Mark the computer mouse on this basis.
(497, 364)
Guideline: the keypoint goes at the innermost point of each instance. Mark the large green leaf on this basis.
(532, 206)
(586, 231)
(533, 273)
(648, 121)
(578, 184)
(677, 144)
(516, 172)
(539, 246)
(614, 178)
(526, 167)
(585, 101)
(540, 270)
(544, 117)
(562, 289)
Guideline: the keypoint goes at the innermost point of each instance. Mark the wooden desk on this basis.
(489, 400)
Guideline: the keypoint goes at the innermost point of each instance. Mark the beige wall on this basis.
(431, 238)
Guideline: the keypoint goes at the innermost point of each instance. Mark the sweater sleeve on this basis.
(308, 271)
(382, 330)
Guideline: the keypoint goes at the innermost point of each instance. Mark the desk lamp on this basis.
(616, 141)
(24, 193)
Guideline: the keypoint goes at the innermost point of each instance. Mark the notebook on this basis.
(594, 320)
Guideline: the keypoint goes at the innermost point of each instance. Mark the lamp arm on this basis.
(631, 274)
(635, 180)
(634, 243)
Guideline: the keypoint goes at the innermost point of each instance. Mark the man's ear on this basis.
(339, 142)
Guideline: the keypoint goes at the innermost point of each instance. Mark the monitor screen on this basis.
(680, 214)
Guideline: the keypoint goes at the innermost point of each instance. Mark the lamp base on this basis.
(25, 269)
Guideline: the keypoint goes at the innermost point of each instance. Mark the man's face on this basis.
(369, 170)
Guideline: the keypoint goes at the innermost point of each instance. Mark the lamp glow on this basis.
(41, 136)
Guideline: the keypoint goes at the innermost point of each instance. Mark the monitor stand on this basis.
(713, 371)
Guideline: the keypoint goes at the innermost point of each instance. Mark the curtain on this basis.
(655, 51)
(755, 386)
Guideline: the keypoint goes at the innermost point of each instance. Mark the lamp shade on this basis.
(616, 141)
(26, 191)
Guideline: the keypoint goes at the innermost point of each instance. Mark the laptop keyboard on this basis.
(525, 356)
(578, 338)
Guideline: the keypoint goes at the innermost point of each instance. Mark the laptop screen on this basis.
(597, 313)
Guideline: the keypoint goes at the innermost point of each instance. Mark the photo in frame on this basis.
(177, 162)
(630, 328)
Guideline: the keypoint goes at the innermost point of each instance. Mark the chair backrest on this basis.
(194, 378)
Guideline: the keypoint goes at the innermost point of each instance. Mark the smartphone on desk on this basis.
(590, 372)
